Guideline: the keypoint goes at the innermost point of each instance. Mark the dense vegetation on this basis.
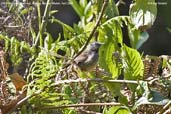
(36, 69)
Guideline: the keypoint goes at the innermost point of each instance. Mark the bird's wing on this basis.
(81, 58)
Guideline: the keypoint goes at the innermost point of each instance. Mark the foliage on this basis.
(143, 13)
(54, 84)
(118, 110)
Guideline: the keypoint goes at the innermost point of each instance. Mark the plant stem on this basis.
(95, 27)
(94, 80)
(43, 22)
(78, 105)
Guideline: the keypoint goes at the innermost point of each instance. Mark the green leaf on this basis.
(133, 64)
(119, 110)
(114, 88)
(48, 41)
(68, 31)
(83, 3)
(87, 10)
(25, 11)
(112, 10)
(143, 38)
(107, 61)
(137, 38)
(110, 33)
(143, 13)
(112, 29)
(143, 89)
(77, 7)
(53, 12)
(105, 111)
(89, 27)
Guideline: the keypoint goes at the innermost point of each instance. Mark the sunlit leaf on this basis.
(119, 110)
(83, 3)
(48, 41)
(112, 10)
(78, 8)
(53, 12)
(134, 66)
(68, 31)
(143, 13)
(110, 33)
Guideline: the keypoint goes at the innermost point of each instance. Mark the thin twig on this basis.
(10, 26)
(95, 27)
(78, 105)
(94, 80)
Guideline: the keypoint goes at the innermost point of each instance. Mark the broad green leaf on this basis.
(133, 64)
(112, 10)
(143, 13)
(112, 29)
(110, 33)
(106, 59)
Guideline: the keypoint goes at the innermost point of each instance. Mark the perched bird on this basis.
(87, 60)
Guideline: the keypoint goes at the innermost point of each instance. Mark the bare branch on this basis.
(78, 105)
(94, 80)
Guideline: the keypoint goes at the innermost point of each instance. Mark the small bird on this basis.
(88, 59)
